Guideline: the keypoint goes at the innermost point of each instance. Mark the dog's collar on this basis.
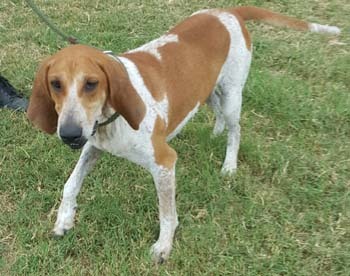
(108, 121)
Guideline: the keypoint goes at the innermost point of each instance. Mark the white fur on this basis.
(318, 28)
(71, 107)
(153, 46)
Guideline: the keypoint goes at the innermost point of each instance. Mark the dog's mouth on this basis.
(77, 145)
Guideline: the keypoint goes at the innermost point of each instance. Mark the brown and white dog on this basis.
(156, 89)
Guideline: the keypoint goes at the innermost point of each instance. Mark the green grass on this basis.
(286, 211)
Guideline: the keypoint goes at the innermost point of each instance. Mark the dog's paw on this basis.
(160, 252)
(58, 233)
(228, 171)
(64, 222)
(61, 228)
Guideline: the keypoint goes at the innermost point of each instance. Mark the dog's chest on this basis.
(121, 140)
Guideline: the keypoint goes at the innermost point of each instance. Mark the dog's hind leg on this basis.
(232, 83)
(231, 110)
(67, 209)
(214, 102)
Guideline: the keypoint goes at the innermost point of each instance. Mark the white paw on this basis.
(65, 221)
(61, 228)
(228, 170)
(160, 251)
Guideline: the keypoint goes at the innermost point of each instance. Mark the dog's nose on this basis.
(71, 135)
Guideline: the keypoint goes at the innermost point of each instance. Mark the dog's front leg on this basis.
(66, 211)
(164, 179)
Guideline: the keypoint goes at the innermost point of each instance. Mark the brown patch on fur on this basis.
(191, 67)
(164, 155)
(41, 110)
(259, 14)
(151, 72)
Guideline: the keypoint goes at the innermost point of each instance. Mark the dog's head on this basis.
(72, 90)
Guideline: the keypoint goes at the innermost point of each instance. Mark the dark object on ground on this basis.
(9, 97)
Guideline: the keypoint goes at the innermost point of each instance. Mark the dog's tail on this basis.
(276, 19)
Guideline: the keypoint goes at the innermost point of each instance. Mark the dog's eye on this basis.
(56, 85)
(90, 85)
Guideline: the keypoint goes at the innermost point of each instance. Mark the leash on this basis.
(44, 18)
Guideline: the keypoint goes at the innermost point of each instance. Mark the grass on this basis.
(286, 211)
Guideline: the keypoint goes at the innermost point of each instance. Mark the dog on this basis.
(133, 104)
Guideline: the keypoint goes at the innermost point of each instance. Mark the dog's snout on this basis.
(71, 134)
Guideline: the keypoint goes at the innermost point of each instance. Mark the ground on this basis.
(285, 212)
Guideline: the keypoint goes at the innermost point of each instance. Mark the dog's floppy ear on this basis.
(122, 95)
(41, 110)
